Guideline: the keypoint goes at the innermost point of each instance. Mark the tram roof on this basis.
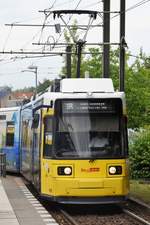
(81, 88)
(81, 85)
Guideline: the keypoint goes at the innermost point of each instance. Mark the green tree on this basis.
(139, 155)
(93, 63)
(42, 86)
(138, 94)
(137, 83)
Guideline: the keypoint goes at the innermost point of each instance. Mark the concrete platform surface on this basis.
(19, 207)
(7, 215)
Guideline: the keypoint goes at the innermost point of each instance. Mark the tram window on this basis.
(2, 117)
(10, 129)
(47, 137)
(35, 122)
(124, 135)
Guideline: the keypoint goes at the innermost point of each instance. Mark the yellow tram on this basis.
(74, 146)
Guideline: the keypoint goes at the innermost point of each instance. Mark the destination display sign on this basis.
(82, 106)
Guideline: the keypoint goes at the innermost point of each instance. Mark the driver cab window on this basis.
(48, 137)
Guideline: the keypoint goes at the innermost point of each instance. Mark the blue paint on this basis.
(13, 153)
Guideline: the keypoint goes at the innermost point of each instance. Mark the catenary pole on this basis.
(106, 38)
(122, 45)
(68, 60)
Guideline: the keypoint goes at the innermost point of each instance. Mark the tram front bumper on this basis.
(90, 187)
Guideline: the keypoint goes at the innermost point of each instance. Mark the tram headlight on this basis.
(67, 170)
(112, 170)
(115, 170)
(64, 170)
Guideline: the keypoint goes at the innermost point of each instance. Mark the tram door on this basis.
(36, 151)
(46, 153)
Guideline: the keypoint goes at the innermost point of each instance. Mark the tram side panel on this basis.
(36, 149)
(9, 137)
(26, 143)
(47, 181)
(30, 145)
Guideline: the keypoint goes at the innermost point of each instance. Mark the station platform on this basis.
(19, 207)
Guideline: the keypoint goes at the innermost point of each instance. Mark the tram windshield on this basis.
(89, 129)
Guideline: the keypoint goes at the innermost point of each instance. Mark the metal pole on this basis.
(36, 80)
(3, 164)
(122, 45)
(0, 164)
(34, 70)
(106, 38)
(79, 51)
(68, 60)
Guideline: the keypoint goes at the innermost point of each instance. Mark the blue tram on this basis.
(9, 137)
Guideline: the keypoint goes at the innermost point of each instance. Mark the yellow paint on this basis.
(82, 182)
(45, 169)
(87, 178)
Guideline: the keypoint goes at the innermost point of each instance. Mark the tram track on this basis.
(130, 214)
(138, 218)
(124, 217)
(138, 209)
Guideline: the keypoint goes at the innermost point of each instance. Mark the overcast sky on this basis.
(21, 38)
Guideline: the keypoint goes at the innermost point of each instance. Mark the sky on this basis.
(19, 38)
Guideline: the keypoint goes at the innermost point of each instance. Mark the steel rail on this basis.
(70, 218)
(137, 201)
(138, 218)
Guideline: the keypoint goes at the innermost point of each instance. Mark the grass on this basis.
(140, 190)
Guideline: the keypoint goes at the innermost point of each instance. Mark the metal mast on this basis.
(106, 38)
(122, 45)
(68, 60)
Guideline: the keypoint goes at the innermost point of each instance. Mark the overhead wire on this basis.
(53, 4)
(93, 4)
(130, 8)
(67, 23)
(43, 26)
(64, 3)
(41, 30)
(8, 36)
(137, 5)
(45, 19)
(29, 41)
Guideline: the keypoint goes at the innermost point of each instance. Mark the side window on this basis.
(125, 135)
(48, 136)
(35, 122)
(25, 128)
(10, 130)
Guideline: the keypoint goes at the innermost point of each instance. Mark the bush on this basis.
(139, 153)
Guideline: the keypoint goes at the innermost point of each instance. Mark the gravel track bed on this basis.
(101, 215)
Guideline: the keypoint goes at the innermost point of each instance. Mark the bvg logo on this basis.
(90, 170)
